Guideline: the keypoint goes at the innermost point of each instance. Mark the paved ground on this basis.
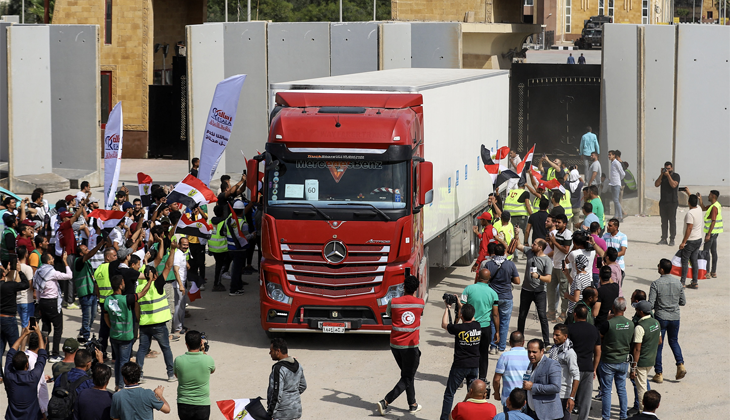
(561, 57)
(347, 374)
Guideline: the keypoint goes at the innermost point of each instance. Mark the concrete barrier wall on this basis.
(659, 47)
(4, 152)
(245, 53)
(29, 101)
(75, 100)
(436, 45)
(353, 47)
(395, 45)
(297, 51)
(703, 105)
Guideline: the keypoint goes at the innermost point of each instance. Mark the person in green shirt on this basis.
(485, 302)
(616, 334)
(193, 370)
(119, 317)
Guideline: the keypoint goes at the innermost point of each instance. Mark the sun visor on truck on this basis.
(394, 153)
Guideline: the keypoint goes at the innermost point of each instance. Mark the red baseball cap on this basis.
(541, 185)
(28, 222)
(485, 216)
(69, 198)
(65, 214)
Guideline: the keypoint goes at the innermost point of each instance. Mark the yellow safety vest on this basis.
(153, 307)
(103, 280)
(718, 220)
(514, 207)
(508, 231)
(217, 242)
(565, 203)
(550, 174)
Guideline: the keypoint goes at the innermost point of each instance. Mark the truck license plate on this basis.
(333, 327)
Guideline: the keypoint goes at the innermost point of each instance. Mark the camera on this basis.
(91, 347)
(664, 169)
(206, 346)
(449, 299)
(582, 236)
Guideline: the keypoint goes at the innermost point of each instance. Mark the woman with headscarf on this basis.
(575, 186)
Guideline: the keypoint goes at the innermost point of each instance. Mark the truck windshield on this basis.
(328, 183)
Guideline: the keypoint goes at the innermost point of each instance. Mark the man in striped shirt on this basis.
(511, 367)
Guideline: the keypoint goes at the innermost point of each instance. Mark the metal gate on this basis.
(168, 126)
(551, 105)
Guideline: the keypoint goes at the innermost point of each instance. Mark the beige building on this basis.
(130, 29)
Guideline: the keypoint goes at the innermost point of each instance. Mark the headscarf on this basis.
(581, 262)
(555, 351)
(573, 180)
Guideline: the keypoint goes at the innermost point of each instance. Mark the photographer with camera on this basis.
(193, 370)
(668, 182)
(486, 304)
(467, 337)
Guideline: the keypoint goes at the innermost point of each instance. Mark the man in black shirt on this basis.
(587, 346)
(536, 222)
(668, 181)
(11, 283)
(467, 337)
(555, 201)
(606, 295)
(196, 165)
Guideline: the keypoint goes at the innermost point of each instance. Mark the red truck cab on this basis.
(343, 187)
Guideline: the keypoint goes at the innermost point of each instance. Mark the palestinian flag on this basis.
(144, 182)
(199, 228)
(702, 258)
(194, 292)
(243, 409)
(108, 219)
(191, 192)
(525, 165)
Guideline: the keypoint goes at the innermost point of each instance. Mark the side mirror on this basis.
(425, 183)
(252, 178)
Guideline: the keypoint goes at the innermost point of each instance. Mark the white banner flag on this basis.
(220, 123)
(112, 154)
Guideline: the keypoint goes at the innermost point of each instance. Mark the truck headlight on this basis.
(275, 292)
(393, 292)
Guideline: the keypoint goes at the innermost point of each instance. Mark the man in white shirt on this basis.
(32, 353)
(615, 175)
(180, 265)
(690, 246)
(45, 281)
(512, 161)
(561, 241)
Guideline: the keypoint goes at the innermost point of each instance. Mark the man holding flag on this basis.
(238, 238)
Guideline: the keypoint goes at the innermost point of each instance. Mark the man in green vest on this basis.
(7, 241)
(103, 275)
(517, 204)
(617, 334)
(218, 247)
(647, 336)
(712, 228)
(154, 312)
(86, 289)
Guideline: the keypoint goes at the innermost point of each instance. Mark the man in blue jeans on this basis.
(617, 335)
(86, 288)
(615, 175)
(666, 295)
(504, 273)
(467, 337)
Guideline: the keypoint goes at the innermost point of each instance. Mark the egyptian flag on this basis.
(554, 184)
(503, 178)
(199, 228)
(144, 182)
(525, 165)
(243, 409)
(108, 219)
(194, 292)
(191, 192)
(489, 164)
(702, 258)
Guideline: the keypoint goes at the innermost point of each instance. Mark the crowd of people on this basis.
(574, 275)
(131, 274)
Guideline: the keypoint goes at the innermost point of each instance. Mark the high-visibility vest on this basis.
(103, 280)
(4, 254)
(629, 180)
(550, 174)
(153, 307)
(217, 242)
(405, 313)
(514, 207)
(565, 203)
(83, 279)
(120, 318)
(508, 231)
(718, 220)
(233, 243)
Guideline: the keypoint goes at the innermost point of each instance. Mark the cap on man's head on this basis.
(127, 205)
(239, 205)
(93, 200)
(65, 214)
(643, 306)
(541, 185)
(28, 222)
(70, 345)
(8, 218)
(69, 198)
(485, 216)
(165, 219)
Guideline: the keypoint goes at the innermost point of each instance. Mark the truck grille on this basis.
(358, 274)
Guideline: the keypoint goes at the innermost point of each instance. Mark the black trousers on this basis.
(50, 315)
(104, 332)
(526, 300)
(197, 262)
(193, 412)
(668, 213)
(221, 262)
(67, 287)
(484, 353)
(408, 361)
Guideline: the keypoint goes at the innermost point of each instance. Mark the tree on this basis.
(34, 10)
(299, 10)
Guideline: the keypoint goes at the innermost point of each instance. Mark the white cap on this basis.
(238, 205)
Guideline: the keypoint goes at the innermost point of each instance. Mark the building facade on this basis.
(130, 30)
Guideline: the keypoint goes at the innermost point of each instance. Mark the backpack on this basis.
(61, 405)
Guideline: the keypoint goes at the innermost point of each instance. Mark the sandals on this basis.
(714, 275)
(693, 286)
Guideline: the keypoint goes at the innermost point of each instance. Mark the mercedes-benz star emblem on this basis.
(335, 252)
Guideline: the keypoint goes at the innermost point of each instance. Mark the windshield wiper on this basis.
(323, 214)
(377, 210)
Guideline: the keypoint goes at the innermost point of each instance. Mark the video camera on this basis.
(449, 299)
(206, 346)
(91, 347)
